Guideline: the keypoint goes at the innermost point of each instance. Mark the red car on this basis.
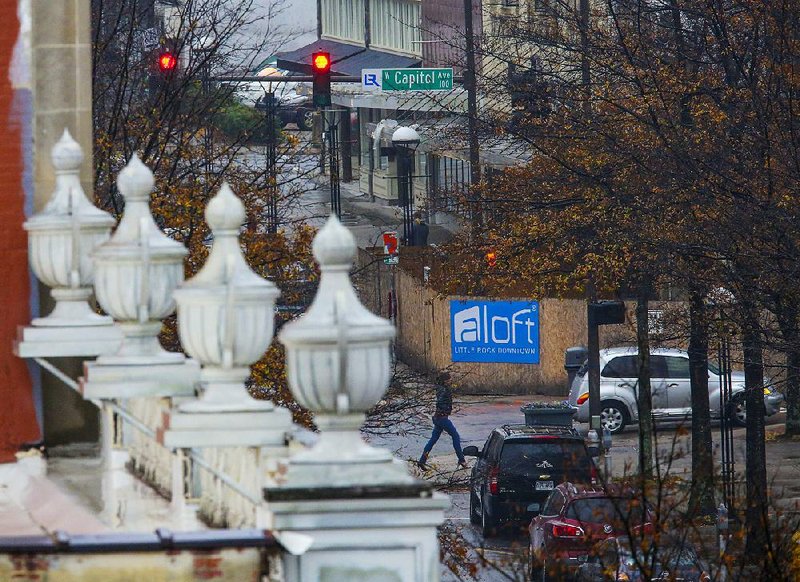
(573, 519)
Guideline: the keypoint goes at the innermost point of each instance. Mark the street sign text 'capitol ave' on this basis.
(494, 331)
(407, 79)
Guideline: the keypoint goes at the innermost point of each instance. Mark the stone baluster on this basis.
(369, 519)
(136, 271)
(60, 240)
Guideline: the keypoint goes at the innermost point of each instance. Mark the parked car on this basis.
(614, 560)
(670, 386)
(574, 519)
(293, 100)
(518, 467)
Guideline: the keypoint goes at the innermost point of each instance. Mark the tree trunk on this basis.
(787, 320)
(756, 511)
(792, 392)
(701, 502)
(644, 398)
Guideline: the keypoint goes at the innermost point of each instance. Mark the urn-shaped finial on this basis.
(338, 366)
(61, 238)
(225, 314)
(137, 270)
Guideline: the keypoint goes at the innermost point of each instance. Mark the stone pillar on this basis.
(61, 82)
(367, 517)
(62, 86)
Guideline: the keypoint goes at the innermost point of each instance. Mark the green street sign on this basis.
(416, 79)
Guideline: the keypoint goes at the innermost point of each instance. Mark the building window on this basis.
(343, 19)
(394, 25)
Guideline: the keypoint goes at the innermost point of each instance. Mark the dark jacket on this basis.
(444, 401)
(420, 234)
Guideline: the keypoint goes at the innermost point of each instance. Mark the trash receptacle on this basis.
(574, 358)
(544, 415)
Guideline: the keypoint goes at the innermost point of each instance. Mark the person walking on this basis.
(442, 423)
(421, 231)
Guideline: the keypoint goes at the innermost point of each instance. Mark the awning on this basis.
(346, 59)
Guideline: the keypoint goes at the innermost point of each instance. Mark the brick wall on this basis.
(17, 416)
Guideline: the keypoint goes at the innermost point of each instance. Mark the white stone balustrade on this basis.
(338, 366)
(226, 314)
(60, 240)
(136, 272)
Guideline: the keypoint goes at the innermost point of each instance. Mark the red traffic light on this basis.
(167, 62)
(321, 62)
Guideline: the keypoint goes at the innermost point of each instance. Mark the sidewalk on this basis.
(357, 209)
(78, 495)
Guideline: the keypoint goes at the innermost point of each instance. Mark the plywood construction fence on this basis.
(423, 321)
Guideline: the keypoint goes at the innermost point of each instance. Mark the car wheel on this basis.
(613, 416)
(738, 410)
(474, 515)
(487, 523)
(305, 119)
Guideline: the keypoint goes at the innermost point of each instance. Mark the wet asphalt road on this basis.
(502, 557)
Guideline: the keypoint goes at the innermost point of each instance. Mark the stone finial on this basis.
(67, 154)
(137, 271)
(225, 212)
(338, 365)
(226, 314)
(136, 181)
(334, 246)
(61, 238)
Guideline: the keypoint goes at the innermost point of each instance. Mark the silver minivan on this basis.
(670, 385)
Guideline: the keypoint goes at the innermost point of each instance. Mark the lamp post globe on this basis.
(405, 141)
(405, 137)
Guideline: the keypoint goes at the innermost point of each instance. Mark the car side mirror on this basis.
(471, 451)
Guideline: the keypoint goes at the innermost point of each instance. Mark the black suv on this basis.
(518, 467)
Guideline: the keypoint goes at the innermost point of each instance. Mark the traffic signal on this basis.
(491, 259)
(167, 62)
(321, 70)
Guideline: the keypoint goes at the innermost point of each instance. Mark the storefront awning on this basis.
(346, 59)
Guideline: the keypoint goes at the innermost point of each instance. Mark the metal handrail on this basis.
(149, 432)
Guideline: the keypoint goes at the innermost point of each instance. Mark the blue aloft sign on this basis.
(494, 331)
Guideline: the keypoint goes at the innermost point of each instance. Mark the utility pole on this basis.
(586, 78)
(472, 112)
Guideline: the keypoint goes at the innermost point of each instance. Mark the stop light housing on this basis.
(167, 61)
(321, 71)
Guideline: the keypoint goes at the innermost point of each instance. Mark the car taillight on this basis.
(566, 530)
(494, 486)
(583, 398)
(593, 473)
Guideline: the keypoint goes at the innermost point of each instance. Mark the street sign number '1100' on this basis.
(407, 79)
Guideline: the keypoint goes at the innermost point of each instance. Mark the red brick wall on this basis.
(17, 416)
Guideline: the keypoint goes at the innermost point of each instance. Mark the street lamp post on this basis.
(405, 141)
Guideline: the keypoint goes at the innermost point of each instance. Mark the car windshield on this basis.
(532, 456)
(713, 368)
(582, 370)
(606, 510)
